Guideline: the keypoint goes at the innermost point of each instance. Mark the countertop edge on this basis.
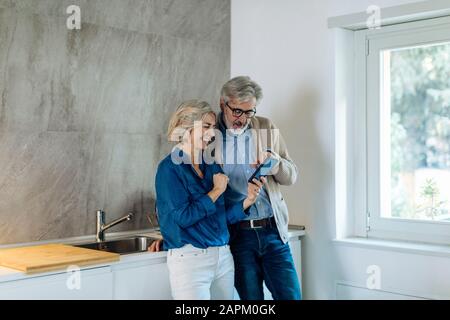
(10, 275)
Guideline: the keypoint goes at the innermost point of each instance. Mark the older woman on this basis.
(191, 210)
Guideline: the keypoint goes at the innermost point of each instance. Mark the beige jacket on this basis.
(267, 136)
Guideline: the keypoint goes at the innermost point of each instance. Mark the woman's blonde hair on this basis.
(185, 116)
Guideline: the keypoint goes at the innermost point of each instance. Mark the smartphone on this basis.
(263, 169)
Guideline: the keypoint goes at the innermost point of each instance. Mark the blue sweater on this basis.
(186, 214)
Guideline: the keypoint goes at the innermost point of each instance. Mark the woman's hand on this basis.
(220, 185)
(253, 190)
(220, 182)
(155, 246)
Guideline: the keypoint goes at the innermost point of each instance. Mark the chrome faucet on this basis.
(102, 227)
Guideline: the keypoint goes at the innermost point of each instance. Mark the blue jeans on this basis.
(260, 254)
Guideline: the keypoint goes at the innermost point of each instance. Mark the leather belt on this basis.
(257, 224)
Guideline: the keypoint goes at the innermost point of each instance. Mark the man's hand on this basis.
(155, 246)
(269, 154)
(253, 190)
(261, 158)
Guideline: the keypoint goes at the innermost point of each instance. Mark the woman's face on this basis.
(203, 131)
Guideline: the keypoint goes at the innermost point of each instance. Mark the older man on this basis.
(258, 243)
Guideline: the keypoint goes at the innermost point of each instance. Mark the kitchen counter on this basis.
(7, 274)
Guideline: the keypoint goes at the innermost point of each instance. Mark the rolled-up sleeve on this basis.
(235, 213)
(186, 210)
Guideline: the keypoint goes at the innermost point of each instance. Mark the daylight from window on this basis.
(415, 133)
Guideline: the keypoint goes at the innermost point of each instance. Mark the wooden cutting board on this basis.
(52, 257)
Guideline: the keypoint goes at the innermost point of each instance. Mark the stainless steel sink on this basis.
(121, 246)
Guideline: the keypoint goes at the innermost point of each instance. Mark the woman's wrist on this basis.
(214, 194)
(218, 190)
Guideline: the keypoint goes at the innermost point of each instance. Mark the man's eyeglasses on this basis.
(239, 112)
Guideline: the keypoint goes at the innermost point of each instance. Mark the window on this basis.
(405, 96)
(415, 122)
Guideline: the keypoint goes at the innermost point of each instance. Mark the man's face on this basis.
(231, 120)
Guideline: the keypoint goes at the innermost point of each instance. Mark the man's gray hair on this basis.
(241, 88)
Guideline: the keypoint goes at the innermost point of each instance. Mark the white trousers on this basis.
(201, 274)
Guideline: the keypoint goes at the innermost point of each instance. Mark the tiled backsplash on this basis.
(83, 112)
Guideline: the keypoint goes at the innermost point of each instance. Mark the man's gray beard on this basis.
(238, 132)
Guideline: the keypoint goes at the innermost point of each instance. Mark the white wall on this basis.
(285, 46)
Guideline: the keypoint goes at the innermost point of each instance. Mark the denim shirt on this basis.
(186, 214)
(238, 156)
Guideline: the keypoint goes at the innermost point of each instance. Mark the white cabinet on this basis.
(147, 279)
(142, 281)
(296, 249)
(90, 284)
(142, 278)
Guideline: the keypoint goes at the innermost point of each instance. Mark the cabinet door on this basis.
(296, 249)
(144, 282)
(94, 284)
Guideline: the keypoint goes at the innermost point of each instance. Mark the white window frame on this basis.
(364, 133)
